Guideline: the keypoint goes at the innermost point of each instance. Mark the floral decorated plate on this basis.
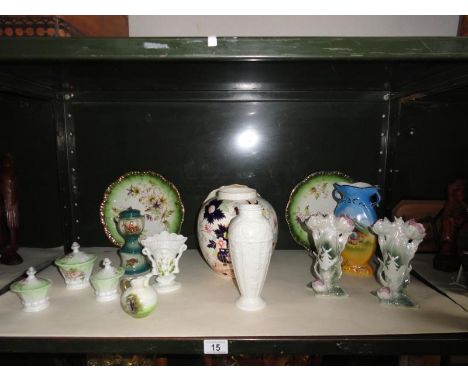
(157, 199)
(311, 196)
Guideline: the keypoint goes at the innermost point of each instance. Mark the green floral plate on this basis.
(311, 196)
(157, 199)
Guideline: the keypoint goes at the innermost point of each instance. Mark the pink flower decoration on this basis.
(418, 226)
(348, 219)
(384, 293)
(221, 243)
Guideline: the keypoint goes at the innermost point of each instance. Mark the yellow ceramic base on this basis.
(358, 270)
(357, 254)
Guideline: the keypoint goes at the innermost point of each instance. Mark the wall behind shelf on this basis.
(196, 146)
(146, 26)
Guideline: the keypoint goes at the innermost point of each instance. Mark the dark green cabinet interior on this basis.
(78, 113)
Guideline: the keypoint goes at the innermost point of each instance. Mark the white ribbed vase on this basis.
(251, 245)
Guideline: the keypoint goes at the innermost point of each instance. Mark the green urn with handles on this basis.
(130, 224)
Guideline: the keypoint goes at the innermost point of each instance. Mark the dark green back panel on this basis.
(432, 149)
(317, 104)
(194, 144)
(28, 132)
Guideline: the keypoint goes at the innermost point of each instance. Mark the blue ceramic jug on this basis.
(357, 201)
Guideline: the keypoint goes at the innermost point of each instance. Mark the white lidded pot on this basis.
(215, 215)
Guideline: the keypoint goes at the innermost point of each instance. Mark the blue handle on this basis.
(335, 194)
(379, 198)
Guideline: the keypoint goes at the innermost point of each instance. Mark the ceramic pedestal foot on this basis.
(107, 297)
(36, 306)
(167, 288)
(400, 299)
(335, 291)
(78, 286)
(251, 304)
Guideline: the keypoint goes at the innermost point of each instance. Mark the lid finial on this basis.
(107, 263)
(31, 272)
(75, 247)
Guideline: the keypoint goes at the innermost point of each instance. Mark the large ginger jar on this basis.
(217, 211)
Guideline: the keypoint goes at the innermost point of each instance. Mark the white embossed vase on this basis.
(164, 251)
(251, 245)
(398, 243)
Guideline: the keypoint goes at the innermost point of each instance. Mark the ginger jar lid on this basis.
(31, 282)
(108, 271)
(75, 257)
(236, 192)
(130, 213)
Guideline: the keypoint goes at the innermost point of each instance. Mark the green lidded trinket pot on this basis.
(33, 291)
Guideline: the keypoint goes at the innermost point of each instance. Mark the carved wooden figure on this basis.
(9, 216)
(454, 222)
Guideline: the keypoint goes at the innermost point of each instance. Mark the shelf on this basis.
(233, 48)
(445, 282)
(293, 322)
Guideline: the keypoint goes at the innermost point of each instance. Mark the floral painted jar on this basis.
(76, 267)
(33, 291)
(217, 211)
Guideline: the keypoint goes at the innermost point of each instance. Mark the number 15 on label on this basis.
(215, 346)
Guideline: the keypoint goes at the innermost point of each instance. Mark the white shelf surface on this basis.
(32, 257)
(445, 281)
(204, 307)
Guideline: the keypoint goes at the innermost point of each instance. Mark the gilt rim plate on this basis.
(157, 199)
(313, 195)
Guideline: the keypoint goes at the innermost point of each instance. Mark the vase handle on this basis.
(177, 258)
(147, 253)
(116, 221)
(379, 198)
(337, 195)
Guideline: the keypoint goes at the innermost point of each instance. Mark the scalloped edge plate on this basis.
(311, 196)
(156, 198)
